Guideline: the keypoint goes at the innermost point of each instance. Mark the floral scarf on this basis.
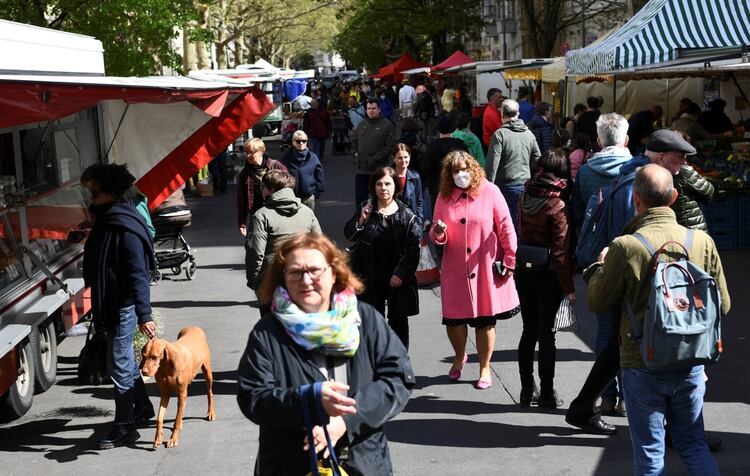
(334, 332)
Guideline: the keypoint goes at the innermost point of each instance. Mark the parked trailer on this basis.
(55, 123)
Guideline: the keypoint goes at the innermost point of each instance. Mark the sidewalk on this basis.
(449, 428)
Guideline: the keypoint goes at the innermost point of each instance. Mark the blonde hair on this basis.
(337, 260)
(455, 161)
(254, 145)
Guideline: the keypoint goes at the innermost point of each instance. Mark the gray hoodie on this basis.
(282, 215)
(512, 154)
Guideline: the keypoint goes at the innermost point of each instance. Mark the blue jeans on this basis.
(361, 189)
(512, 193)
(317, 146)
(677, 396)
(121, 364)
(604, 329)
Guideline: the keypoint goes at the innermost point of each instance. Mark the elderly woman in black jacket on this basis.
(386, 253)
(692, 190)
(319, 333)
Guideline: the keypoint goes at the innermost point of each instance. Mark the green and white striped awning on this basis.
(662, 27)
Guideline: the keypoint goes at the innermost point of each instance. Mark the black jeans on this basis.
(605, 369)
(398, 322)
(540, 295)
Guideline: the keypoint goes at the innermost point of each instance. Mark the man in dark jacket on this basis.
(317, 125)
(374, 139)
(692, 190)
(425, 113)
(586, 123)
(541, 125)
(117, 262)
(432, 161)
(306, 169)
(641, 126)
(249, 197)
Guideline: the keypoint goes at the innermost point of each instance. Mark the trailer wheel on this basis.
(190, 270)
(44, 344)
(19, 397)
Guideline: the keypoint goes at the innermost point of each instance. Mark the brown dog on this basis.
(175, 365)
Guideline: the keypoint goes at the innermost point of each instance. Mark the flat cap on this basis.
(665, 140)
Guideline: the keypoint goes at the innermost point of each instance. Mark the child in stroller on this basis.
(169, 219)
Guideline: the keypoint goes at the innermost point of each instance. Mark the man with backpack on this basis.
(672, 389)
(669, 150)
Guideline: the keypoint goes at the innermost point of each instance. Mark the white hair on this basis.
(612, 129)
(509, 108)
(299, 134)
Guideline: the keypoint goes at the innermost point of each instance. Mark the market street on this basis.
(446, 429)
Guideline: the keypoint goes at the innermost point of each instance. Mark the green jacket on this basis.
(472, 144)
(626, 268)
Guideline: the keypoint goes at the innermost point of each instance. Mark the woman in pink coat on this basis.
(472, 220)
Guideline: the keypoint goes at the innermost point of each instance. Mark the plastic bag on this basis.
(565, 318)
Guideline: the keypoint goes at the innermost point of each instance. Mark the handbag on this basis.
(565, 317)
(532, 258)
(329, 466)
(92, 361)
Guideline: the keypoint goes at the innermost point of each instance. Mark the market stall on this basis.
(394, 71)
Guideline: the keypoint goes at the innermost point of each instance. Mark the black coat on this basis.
(692, 190)
(273, 368)
(403, 300)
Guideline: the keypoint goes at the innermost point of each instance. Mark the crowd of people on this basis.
(487, 204)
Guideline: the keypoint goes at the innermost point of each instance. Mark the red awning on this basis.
(404, 62)
(30, 99)
(456, 59)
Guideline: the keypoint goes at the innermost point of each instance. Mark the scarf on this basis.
(546, 185)
(334, 332)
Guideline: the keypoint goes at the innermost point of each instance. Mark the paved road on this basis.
(447, 428)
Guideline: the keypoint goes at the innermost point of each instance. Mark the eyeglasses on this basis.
(300, 141)
(296, 274)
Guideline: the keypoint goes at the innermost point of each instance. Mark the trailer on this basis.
(60, 114)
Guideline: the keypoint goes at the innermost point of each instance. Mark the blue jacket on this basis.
(623, 208)
(542, 130)
(117, 261)
(307, 172)
(386, 110)
(525, 110)
(412, 195)
(598, 172)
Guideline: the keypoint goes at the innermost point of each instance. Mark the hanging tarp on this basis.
(660, 29)
(164, 128)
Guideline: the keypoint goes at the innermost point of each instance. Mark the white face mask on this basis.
(462, 179)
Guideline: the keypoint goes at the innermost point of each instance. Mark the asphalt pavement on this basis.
(448, 428)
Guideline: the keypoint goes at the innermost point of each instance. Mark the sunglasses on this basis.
(300, 141)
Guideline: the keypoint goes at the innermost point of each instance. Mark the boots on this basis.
(144, 410)
(529, 395)
(120, 434)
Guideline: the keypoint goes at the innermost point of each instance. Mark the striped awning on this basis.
(662, 27)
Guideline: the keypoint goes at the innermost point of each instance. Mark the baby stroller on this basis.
(340, 136)
(169, 219)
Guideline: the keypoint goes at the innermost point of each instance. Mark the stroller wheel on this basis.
(190, 271)
(176, 270)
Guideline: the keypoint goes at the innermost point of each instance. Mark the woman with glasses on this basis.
(305, 167)
(473, 224)
(317, 332)
(386, 252)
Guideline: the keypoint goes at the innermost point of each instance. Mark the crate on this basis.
(723, 219)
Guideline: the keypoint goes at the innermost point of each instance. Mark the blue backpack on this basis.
(597, 222)
(682, 321)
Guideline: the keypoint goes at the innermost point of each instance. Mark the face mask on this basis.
(462, 179)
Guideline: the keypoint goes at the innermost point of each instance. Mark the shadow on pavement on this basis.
(432, 404)
(194, 304)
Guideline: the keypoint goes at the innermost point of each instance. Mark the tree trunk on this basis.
(239, 49)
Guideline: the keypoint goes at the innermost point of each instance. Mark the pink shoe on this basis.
(483, 384)
(456, 374)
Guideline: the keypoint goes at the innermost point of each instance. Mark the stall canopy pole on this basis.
(614, 95)
(739, 88)
(114, 136)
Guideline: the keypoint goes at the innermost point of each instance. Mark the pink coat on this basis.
(479, 232)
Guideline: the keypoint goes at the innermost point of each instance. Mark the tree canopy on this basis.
(136, 34)
(377, 31)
